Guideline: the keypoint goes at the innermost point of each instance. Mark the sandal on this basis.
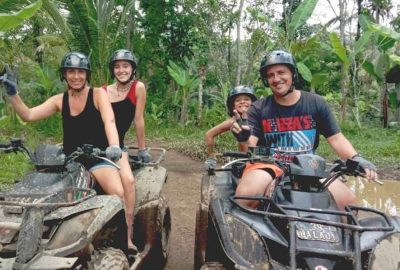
(131, 254)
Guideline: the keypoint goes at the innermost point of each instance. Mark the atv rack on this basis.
(40, 202)
(353, 226)
(136, 163)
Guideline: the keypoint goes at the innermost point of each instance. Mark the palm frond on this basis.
(57, 13)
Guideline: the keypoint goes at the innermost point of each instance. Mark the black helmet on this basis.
(239, 90)
(75, 60)
(278, 57)
(125, 55)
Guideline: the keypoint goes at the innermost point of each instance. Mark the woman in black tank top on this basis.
(87, 119)
(128, 99)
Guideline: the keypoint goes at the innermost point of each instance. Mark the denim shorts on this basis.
(97, 163)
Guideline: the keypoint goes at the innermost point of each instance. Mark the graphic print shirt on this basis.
(292, 130)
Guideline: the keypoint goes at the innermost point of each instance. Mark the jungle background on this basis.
(191, 53)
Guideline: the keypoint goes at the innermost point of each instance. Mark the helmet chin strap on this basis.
(131, 78)
(78, 90)
(291, 88)
(125, 82)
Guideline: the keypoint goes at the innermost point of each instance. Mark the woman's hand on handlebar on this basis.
(113, 152)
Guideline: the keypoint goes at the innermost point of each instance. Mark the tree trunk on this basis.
(228, 60)
(238, 68)
(344, 86)
(385, 106)
(397, 116)
(202, 77)
(38, 31)
(131, 27)
(359, 11)
(183, 118)
(344, 83)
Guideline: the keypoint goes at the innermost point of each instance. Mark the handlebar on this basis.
(16, 145)
(87, 150)
(4, 145)
(160, 158)
(348, 167)
(236, 154)
(262, 154)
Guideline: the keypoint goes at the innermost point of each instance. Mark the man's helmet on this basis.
(75, 60)
(281, 58)
(239, 90)
(124, 55)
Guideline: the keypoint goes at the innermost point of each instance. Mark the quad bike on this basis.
(54, 219)
(298, 227)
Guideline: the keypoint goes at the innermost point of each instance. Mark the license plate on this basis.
(317, 232)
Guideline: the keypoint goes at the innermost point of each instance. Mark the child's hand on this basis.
(240, 128)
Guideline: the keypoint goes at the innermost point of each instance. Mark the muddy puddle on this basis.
(384, 197)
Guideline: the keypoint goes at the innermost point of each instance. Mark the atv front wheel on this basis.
(108, 259)
(30, 234)
(386, 254)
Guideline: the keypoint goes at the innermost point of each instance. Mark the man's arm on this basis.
(345, 150)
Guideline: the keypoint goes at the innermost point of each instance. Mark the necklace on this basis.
(124, 88)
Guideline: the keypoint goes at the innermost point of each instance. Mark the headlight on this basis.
(247, 242)
(72, 229)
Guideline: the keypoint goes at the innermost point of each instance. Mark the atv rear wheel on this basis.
(200, 238)
(160, 251)
(30, 234)
(215, 257)
(386, 254)
(108, 259)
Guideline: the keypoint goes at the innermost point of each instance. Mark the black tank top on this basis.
(124, 112)
(85, 128)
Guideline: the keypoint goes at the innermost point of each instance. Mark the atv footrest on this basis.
(40, 262)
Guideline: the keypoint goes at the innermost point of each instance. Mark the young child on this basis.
(238, 101)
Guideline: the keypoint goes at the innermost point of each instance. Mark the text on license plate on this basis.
(317, 232)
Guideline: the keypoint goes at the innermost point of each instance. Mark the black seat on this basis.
(237, 172)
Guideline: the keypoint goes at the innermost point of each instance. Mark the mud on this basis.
(183, 191)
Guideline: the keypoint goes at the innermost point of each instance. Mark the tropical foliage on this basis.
(190, 54)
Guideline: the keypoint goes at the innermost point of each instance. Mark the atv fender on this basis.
(149, 183)
(94, 214)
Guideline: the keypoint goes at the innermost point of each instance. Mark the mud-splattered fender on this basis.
(81, 229)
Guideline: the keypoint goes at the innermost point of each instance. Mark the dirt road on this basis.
(182, 190)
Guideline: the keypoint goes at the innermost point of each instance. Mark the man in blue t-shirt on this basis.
(290, 122)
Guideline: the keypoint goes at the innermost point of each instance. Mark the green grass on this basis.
(15, 165)
(381, 146)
